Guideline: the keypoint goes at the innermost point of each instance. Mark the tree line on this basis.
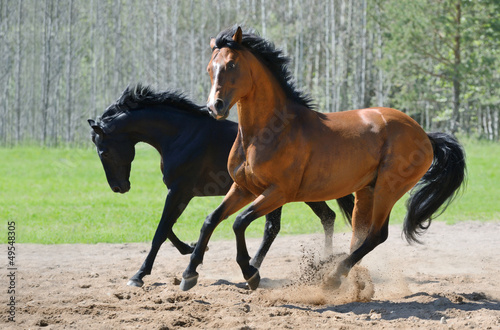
(64, 61)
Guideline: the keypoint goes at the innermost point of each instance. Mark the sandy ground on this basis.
(450, 282)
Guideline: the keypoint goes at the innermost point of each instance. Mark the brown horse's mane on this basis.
(138, 97)
(274, 59)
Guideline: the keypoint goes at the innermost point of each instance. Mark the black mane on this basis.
(139, 96)
(274, 59)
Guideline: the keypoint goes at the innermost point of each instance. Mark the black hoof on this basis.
(188, 283)
(254, 280)
(135, 282)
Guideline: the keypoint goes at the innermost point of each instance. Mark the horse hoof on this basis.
(253, 282)
(188, 283)
(135, 282)
(332, 282)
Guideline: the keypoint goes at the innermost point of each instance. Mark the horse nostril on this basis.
(116, 189)
(219, 105)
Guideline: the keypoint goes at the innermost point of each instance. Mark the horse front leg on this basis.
(262, 205)
(271, 230)
(235, 199)
(175, 204)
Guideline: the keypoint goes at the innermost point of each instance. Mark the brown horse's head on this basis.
(229, 74)
(243, 63)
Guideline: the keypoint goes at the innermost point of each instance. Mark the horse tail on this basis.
(438, 187)
(346, 205)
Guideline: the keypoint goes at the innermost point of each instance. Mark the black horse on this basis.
(194, 149)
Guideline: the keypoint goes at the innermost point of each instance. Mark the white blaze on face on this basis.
(211, 96)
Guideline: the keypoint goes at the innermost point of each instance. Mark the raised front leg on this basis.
(262, 205)
(175, 204)
(235, 199)
(271, 230)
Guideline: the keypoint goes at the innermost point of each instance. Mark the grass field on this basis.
(62, 196)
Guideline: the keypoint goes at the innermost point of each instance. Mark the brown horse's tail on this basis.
(438, 187)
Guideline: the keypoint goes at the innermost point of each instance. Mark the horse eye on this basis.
(103, 154)
(231, 65)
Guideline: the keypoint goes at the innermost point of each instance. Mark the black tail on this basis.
(346, 205)
(438, 187)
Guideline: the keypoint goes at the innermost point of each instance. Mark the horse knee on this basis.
(209, 224)
(239, 224)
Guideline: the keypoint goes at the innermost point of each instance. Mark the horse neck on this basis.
(153, 127)
(265, 104)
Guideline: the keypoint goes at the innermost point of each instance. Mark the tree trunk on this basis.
(496, 131)
(327, 21)
(46, 75)
(118, 46)
(455, 119)
(364, 54)
(263, 17)
(69, 75)
(18, 71)
(94, 14)
(173, 31)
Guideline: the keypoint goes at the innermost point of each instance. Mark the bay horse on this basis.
(377, 153)
(194, 149)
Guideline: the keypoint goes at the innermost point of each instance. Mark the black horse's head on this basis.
(116, 153)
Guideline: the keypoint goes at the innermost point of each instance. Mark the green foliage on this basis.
(441, 52)
(66, 61)
(62, 196)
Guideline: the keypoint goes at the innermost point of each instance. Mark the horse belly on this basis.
(335, 182)
(337, 169)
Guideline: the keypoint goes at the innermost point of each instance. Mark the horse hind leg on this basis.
(370, 228)
(271, 230)
(397, 174)
(327, 217)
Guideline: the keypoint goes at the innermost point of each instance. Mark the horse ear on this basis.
(98, 129)
(212, 43)
(238, 35)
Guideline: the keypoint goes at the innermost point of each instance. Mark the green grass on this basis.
(62, 196)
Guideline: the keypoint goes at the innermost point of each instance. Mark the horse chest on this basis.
(247, 172)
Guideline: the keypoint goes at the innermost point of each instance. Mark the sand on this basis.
(452, 281)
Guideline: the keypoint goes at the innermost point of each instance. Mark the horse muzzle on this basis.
(218, 109)
(121, 187)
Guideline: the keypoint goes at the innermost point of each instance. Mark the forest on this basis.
(64, 61)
